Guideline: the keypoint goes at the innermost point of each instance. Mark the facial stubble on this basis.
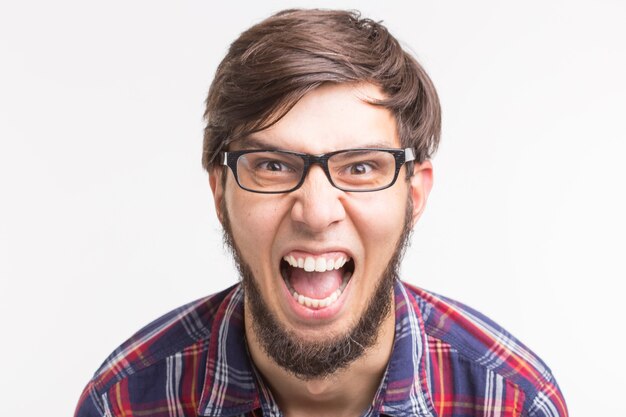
(307, 359)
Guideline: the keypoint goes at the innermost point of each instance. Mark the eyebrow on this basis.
(254, 143)
(250, 143)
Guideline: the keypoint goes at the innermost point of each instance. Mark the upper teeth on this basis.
(318, 264)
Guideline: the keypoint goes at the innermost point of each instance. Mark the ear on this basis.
(421, 184)
(217, 188)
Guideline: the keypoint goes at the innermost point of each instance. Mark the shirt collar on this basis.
(233, 387)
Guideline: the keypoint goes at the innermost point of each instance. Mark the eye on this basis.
(360, 168)
(273, 165)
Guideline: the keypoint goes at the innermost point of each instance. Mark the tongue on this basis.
(316, 285)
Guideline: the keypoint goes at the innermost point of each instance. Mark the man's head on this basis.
(318, 262)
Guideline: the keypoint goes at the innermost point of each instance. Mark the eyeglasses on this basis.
(354, 170)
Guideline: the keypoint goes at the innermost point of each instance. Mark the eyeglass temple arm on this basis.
(409, 155)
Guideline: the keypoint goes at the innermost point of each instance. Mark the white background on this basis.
(106, 218)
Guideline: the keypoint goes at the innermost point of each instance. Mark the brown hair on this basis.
(275, 63)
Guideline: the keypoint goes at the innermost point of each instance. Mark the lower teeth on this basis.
(324, 302)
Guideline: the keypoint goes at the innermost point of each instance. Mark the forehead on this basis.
(329, 118)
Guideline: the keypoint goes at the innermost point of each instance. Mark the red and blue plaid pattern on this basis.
(447, 360)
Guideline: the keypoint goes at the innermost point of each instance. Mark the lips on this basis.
(316, 281)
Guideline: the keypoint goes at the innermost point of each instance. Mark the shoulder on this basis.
(475, 353)
(184, 332)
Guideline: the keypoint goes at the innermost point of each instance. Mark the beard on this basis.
(307, 359)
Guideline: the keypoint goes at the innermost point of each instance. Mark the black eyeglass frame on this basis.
(401, 157)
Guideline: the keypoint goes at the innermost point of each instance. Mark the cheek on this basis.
(254, 222)
(380, 222)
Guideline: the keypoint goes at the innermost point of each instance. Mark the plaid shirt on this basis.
(447, 360)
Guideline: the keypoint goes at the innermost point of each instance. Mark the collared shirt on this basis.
(447, 360)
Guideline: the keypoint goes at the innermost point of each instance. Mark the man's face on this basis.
(279, 237)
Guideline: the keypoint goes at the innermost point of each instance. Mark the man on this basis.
(318, 138)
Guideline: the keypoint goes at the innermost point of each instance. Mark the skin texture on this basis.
(318, 218)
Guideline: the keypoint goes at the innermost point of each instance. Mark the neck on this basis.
(344, 393)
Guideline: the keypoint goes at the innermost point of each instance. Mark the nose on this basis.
(318, 204)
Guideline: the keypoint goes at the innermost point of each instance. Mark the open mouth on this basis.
(316, 281)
